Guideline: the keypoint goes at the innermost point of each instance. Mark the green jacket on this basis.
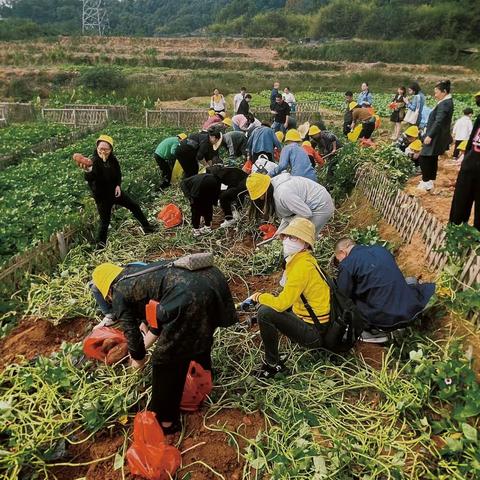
(167, 147)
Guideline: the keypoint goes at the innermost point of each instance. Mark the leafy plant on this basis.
(369, 236)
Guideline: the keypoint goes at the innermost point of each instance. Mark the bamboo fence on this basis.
(77, 117)
(117, 113)
(18, 112)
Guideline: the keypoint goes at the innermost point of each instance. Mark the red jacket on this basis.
(312, 153)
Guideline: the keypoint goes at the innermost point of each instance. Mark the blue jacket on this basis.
(365, 97)
(418, 102)
(262, 139)
(293, 156)
(372, 279)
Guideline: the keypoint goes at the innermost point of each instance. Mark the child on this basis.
(462, 129)
(407, 137)
(413, 152)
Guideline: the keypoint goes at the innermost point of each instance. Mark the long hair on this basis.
(263, 208)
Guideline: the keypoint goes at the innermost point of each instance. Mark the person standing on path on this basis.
(217, 101)
(398, 111)
(244, 107)
(365, 97)
(273, 94)
(462, 129)
(104, 178)
(416, 105)
(238, 98)
(165, 157)
(438, 138)
(281, 110)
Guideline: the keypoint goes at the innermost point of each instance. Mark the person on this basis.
(462, 129)
(192, 304)
(364, 117)
(236, 144)
(289, 196)
(413, 152)
(244, 106)
(294, 157)
(213, 120)
(287, 313)
(281, 110)
(289, 97)
(407, 137)
(369, 275)
(202, 191)
(165, 157)
(104, 178)
(274, 93)
(416, 105)
(437, 140)
(398, 111)
(262, 140)
(217, 101)
(238, 98)
(365, 97)
(276, 151)
(467, 191)
(197, 147)
(326, 141)
(313, 154)
(347, 115)
(244, 123)
(235, 180)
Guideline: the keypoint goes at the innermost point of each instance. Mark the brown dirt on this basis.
(411, 259)
(256, 283)
(373, 354)
(34, 337)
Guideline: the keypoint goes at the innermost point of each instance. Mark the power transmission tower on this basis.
(94, 18)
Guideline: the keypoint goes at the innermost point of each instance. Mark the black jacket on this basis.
(192, 305)
(200, 141)
(438, 128)
(243, 108)
(229, 176)
(104, 177)
(203, 188)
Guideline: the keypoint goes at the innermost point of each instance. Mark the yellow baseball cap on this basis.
(104, 275)
(257, 185)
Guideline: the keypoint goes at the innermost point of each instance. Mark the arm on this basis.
(282, 164)
(345, 281)
(276, 142)
(413, 104)
(476, 126)
(297, 206)
(230, 147)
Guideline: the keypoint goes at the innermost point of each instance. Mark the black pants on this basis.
(187, 157)
(231, 196)
(367, 129)
(201, 209)
(429, 166)
(168, 381)
(467, 193)
(165, 168)
(104, 207)
(272, 323)
(455, 150)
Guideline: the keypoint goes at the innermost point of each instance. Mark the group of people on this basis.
(280, 182)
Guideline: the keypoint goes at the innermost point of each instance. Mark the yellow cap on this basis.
(104, 275)
(352, 105)
(280, 135)
(105, 138)
(462, 146)
(227, 121)
(477, 94)
(412, 131)
(415, 145)
(293, 136)
(313, 130)
(211, 113)
(257, 185)
(306, 144)
(182, 136)
(301, 228)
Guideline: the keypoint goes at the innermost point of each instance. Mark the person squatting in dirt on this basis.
(191, 305)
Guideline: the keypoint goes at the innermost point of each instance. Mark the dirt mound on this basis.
(34, 337)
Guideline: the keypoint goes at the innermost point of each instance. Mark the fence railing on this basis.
(76, 116)
(18, 112)
(115, 112)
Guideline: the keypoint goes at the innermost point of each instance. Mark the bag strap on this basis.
(147, 270)
(314, 317)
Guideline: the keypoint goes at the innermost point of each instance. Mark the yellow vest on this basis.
(301, 277)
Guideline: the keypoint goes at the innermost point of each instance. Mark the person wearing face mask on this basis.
(287, 313)
(104, 178)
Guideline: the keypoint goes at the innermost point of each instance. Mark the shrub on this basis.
(103, 79)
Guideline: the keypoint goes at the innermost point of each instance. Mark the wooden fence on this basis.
(76, 116)
(407, 215)
(117, 113)
(18, 112)
(3, 116)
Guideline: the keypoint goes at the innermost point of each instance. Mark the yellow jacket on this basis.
(301, 277)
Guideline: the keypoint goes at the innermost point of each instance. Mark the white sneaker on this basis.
(228, 223)
(430, 185)
(424, 186)
(205, 230)
(196, 232)
(377, 337)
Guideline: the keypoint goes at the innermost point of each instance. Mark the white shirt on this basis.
(463, 128)
(236, 101)
(289, 98)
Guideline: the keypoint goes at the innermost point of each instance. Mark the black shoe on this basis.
(148, 229)
(268, 371)
(173, 428)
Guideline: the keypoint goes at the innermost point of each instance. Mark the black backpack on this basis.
(346, 323)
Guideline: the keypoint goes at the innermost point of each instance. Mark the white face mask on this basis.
(290, 247)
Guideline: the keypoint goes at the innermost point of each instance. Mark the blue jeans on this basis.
(277, 126)
(102, 304)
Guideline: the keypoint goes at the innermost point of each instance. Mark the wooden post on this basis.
(74, 112)
(62, 245)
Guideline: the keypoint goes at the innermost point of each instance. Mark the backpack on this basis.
(346, 323)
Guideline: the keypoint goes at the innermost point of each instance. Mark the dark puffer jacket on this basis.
(104, 177)
(192, 306)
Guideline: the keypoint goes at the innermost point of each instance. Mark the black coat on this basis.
(229, 176)
(104, 177)
(192, 305)
(438, 128)
(203, 188)
(243, 108)
(201, 143)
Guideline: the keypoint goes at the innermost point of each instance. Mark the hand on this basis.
(144, 328)
(118, 191)
(254, 297)
(285, 124)
(427, 140)
(138, 364)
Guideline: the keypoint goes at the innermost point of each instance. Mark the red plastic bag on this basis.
(247, 166)
(392, 105)
(268, 230)
(170, 215)
(101, 341)
(198, 385)
(150, 456)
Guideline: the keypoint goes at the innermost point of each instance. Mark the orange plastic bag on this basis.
(378, 121)
(367, 142)
(198, 385)
(268, 231)
(150, 456)
(247, 166)
(99, 343)
(170, 215)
